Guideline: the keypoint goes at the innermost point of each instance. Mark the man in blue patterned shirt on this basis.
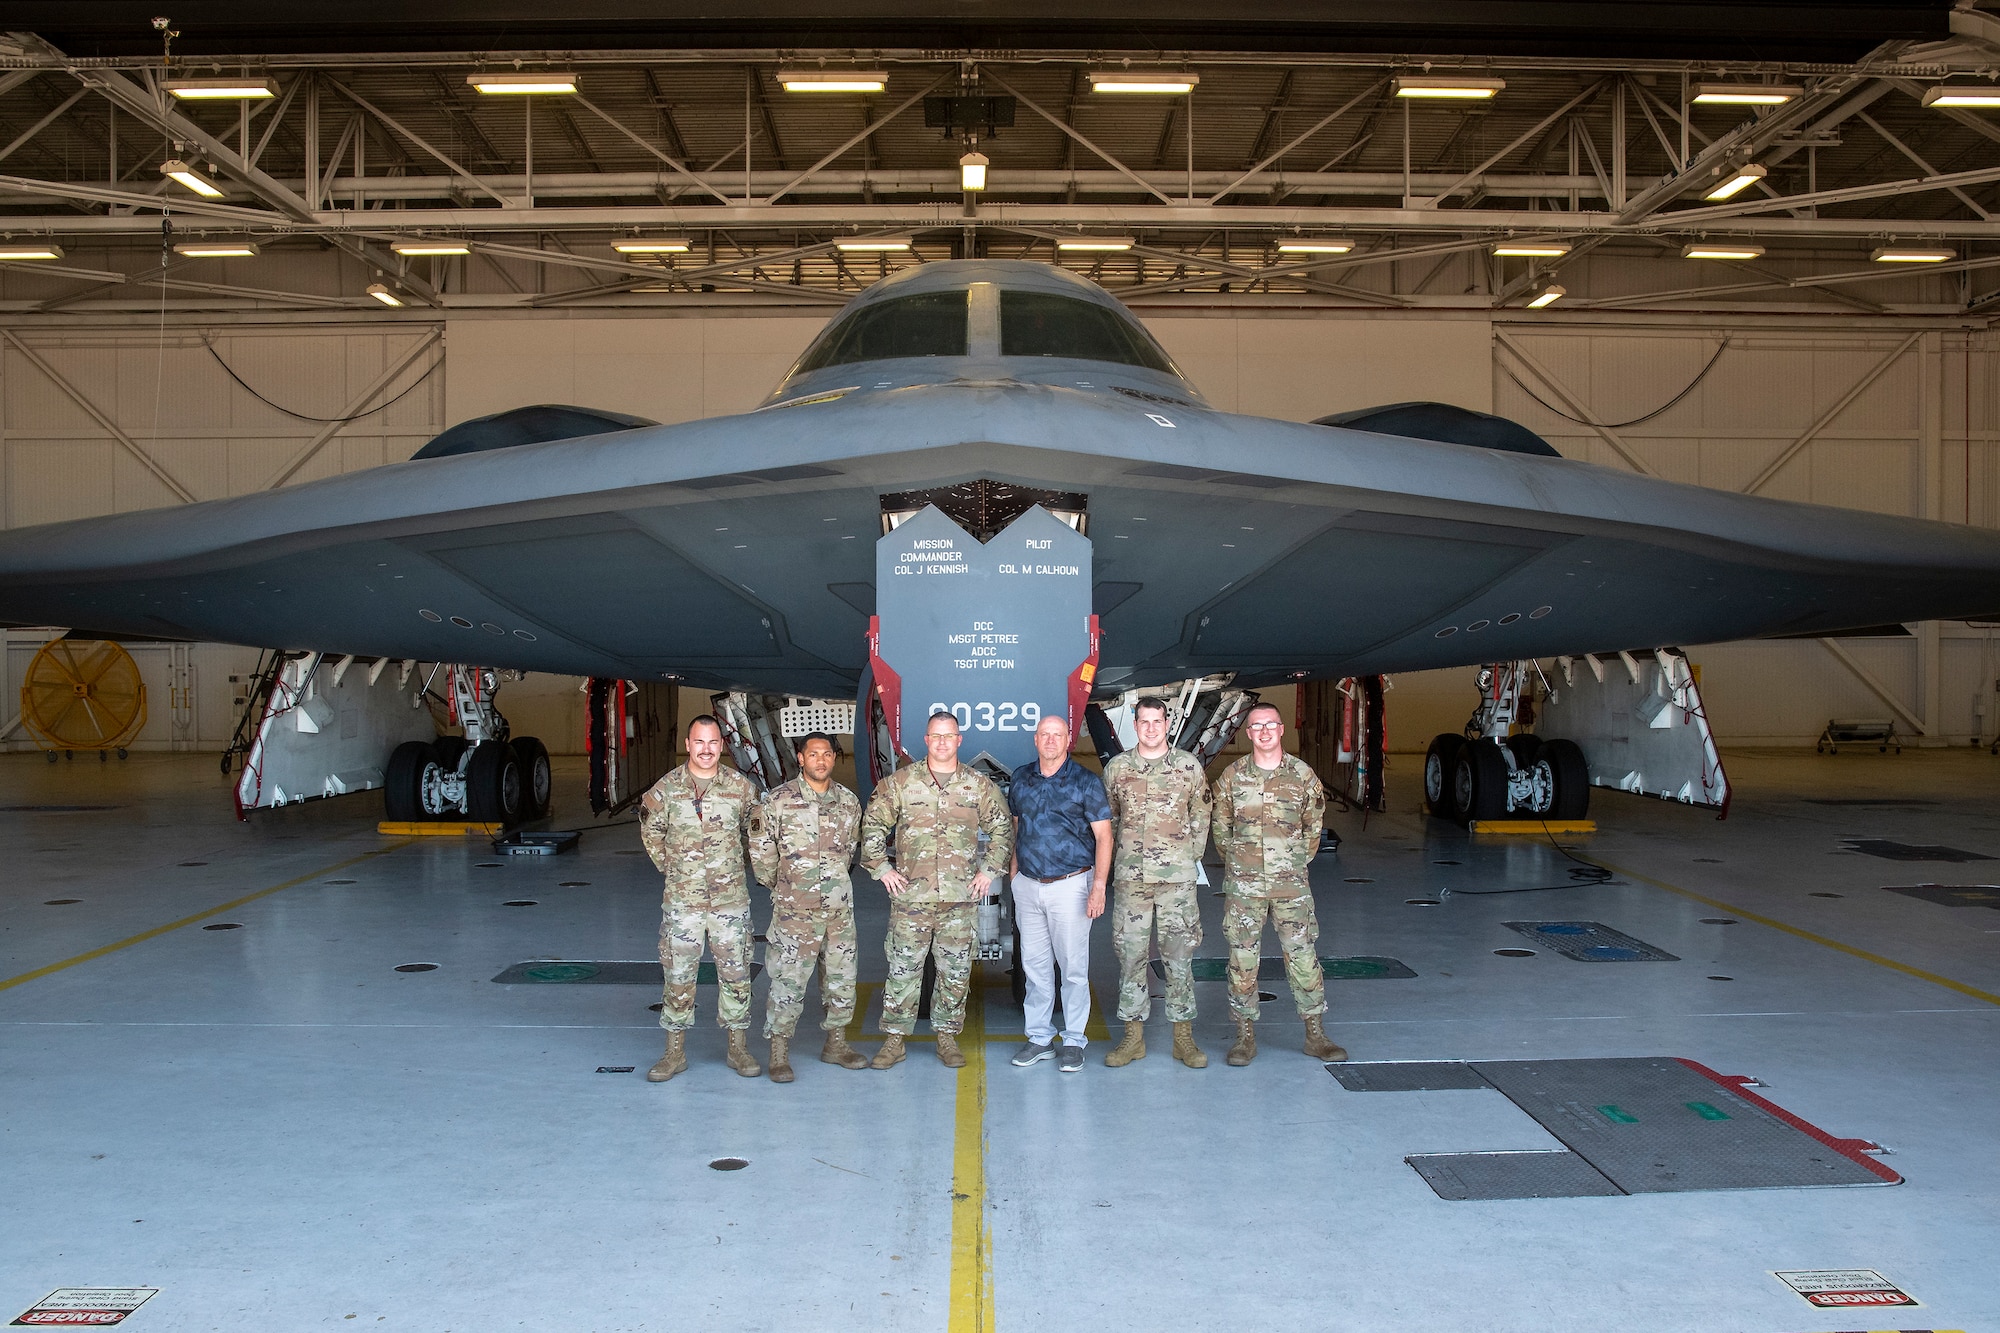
(1062, 858)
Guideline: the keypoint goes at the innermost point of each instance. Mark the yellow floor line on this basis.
(971, 1244)
(1095, 1030)
(158, 931)
(1919, 973)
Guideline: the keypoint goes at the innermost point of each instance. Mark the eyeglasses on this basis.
(1264, 726)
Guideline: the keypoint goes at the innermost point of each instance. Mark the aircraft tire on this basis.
(1440, 765)
(537, 787)
(1480, 781)
(1572, 776)
(494, 792)
(403, 781)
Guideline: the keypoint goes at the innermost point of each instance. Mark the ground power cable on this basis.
(324, 421)
(1620, 425)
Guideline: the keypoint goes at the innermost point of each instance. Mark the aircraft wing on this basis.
(738, 551)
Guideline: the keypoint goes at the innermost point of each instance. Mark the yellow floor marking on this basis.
(863, 993)
(1973, 991)
(1095, 1030)
(400, 828)
(158, 931)
(971, 1244)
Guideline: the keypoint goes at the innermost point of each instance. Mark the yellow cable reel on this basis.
(83, 694)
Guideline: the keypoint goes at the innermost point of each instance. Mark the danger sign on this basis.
(1846, 1288)
(85, 1307)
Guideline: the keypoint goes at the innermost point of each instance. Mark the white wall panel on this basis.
(1299, 369)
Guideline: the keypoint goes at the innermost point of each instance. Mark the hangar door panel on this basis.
(619, 590)
(1405, 580)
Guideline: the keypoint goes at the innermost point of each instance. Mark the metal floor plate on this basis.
(1408, 1076)
(1552, 1174)
(567, 972)
(1950, 895)
(1904, 851)
(1590, 942)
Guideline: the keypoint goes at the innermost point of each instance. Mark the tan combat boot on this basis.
(1185, 1050)
(838, 1052)
(739, 1056)
(781, 1057)
(675, 1061)
(948, 1053)
(1320, 1046)
(1133, 1047)
(1245, 1049)
(891, 1052)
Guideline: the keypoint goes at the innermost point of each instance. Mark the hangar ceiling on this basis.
(1299, 127)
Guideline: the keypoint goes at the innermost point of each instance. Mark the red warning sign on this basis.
(84, 1307)
(1846, 1289)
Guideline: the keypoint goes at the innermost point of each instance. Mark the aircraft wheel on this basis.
(494, 792)
(403, 784)
(1479, 784)
(536, 784)
(1572, 777)
(1440, 765)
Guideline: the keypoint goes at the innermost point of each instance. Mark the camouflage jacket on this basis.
(1159, 812)
(1267, 826)
(801, 844)
(936, 826)
(695, 832)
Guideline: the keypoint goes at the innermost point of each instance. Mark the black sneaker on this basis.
(1033, 1052)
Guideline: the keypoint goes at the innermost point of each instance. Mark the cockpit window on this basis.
(1040, 324)
(930, 324)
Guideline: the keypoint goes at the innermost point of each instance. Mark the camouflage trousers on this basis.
(683, 928)
(1298, 934)
(797, 941)
(1132, 923)
(945, 931)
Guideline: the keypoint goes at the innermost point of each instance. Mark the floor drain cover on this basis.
(61, 902)
(340, 881)
(416, 967)
(1903, 851)
(194, 863)
(1423, 902)
(1515, 953)
(574, 884)
(1716, 978)
(1826, 895)
(1358, 881)
(728, 1164)
(1720, 921)
(520, 902)
(1591, 942)
(1447, 863)
(488, 865)
(616, 1069)
(225, 925)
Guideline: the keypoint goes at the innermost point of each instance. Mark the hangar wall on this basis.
(97, 419)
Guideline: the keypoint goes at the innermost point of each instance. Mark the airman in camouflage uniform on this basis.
(1270, 811)
(935, 810)
(693, 824)
(1160, 807)
(801, 844)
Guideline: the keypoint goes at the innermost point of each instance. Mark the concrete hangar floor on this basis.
(220, 1084)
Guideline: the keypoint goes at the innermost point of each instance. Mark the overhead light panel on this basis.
(221, 90)
(1719, 250)
(1315, 245)
(1746, 94)
(833, 80)
(871, 244)
(1449, 87)
(175, 169)
(653, 245)
(31, 252)
(518, 83)
(1736, 181)
(1141, 81)
(972, 171)
(1087, 244)
(1532, 249)
(1913, 254)
(1986, 96)
(216, 249)
(424, 247)
(383, 294)
(1549, 296)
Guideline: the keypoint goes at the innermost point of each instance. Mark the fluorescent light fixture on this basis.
(220, 90)
(653, 245)
(31, 252)
(383, 294)
(1446, 86)
(216, 249)
(1549, 296)
(424, 247)
(1719, 250)
(1141, 81)
(1095, 243)
(175, 169)
(872, 244)
(1742, 178)
(1745, 94)
(1913, 254)
(519, 83)
(1315, 245)
(1963, 95)
(1532, 249)
(972, 171)
(833, 80)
